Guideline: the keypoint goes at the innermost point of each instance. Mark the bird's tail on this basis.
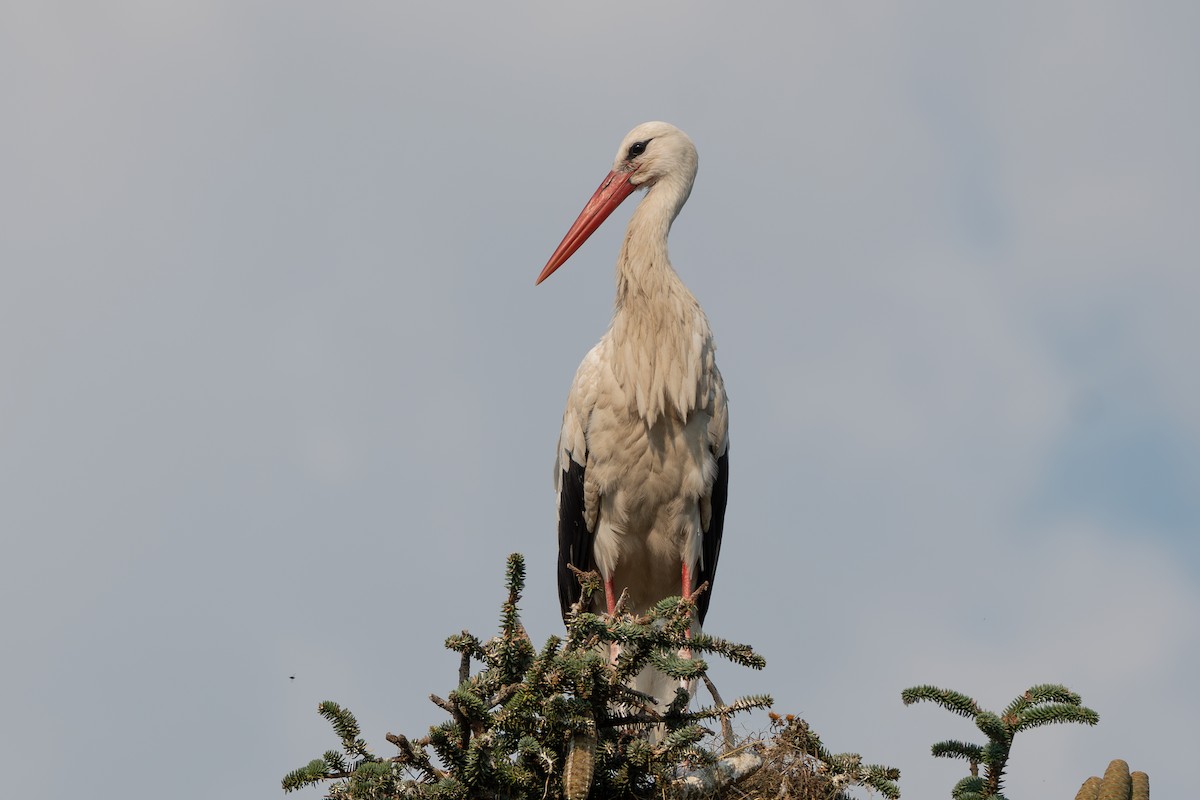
(662, 687)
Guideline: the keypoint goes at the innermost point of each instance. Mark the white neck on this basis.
(643, 268)
(660, 335)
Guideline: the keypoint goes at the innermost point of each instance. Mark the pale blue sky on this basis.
(276, 377)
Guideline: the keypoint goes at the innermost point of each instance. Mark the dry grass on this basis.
(791, 767)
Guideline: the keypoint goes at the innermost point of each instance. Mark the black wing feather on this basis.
(574, 538)
(711, 546)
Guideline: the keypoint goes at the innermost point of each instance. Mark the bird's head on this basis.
(653, 153)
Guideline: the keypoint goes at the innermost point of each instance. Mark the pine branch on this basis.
(312, 773)
(466, 644)
(992, 726)
(947, 699)
(516, 722)
(685, 669)
(335, 763)
(1053, 713)
(737, 706)
(740, 654)
(1042, 704)
(415, 758)
(952, 748)
(1042, 693)
(970, 788)
(346, 727)
(882, 779)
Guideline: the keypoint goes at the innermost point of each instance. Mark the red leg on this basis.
(687, 588)
(687, 595)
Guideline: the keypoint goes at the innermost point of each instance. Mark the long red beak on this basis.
(613, 190)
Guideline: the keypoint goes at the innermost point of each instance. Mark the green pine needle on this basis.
(970, 788)
(513, 716)
(953, 748)
(947, 699)
(1056, 712)
(1042, 704)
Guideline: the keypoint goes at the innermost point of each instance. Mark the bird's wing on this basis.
(574, 538)
(711, 544)
(576, 516)
(718, 494)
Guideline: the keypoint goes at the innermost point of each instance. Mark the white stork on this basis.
(643, 464)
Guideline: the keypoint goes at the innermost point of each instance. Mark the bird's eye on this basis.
(637, 148)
